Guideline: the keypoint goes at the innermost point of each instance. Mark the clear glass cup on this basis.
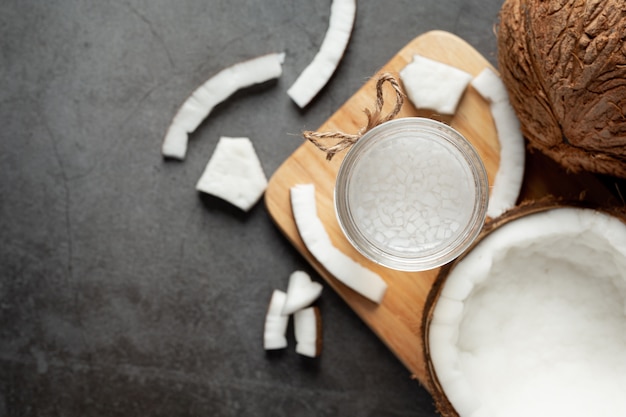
(411, 194)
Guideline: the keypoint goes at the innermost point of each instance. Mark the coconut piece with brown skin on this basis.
(530, 321)
(564, 65)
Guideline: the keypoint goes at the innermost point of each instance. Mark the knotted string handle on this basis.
(374, 118)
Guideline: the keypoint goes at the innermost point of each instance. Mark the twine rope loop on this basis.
(342, 140)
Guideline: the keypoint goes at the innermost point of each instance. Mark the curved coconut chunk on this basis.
(301, 292)
(275, 323)
(234, 173)
(433, 85)
(316, 239)
(215, 90)
(318, 72)
(508, 181)
(307, 325)
(546, 322)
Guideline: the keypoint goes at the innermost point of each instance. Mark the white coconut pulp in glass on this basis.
(411, 194)
(531, 322)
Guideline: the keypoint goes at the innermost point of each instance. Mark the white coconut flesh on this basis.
(301, 292)
(508, 181)
(214, 91)
(532, 322)
(234, 173)
(307, 328)
(433, 85)
(316, 75)
(275, 329)
(311, 229)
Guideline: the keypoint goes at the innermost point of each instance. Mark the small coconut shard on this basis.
(433, 85)
(301, 292)
(275, 323)
(564, 65)
(214, 91)
(316, 239)
(234, 173)
(508, 181)
(316, 75)
(308, 331)
(533, 323)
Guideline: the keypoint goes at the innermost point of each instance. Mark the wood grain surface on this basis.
(397, 320)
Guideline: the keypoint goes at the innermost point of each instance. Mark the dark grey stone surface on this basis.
(123, 292)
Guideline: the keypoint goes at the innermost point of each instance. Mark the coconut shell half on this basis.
(564, 65)
(442, 401)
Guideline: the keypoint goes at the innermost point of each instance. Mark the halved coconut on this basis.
(532, 320)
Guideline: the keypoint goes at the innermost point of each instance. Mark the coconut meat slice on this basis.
(234, 173)
(433, 85)
(315, 76)
(275, 323)
(354, 275)
(214, 91)
(532, 321)
(301, 292)
(307, 325)
(508, 181)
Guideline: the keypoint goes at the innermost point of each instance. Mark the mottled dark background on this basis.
(123, 292)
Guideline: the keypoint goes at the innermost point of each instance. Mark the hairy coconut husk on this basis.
(564, 65)
(442, 403)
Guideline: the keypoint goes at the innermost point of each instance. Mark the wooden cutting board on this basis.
(397, 320)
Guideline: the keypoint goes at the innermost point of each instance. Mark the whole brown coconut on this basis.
(564, 65)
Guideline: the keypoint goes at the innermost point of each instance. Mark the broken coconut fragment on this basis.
(308, 331)
(316, 239)
(531, 321)
(301, 292)
(275, 323)
(433, 85)
(318, 72)
(234, 173)
(508, 180)
(215, 90)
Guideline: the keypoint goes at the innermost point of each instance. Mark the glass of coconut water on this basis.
(411, 194)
